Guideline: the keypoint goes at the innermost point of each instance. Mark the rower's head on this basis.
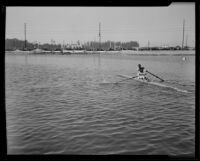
(139, 65)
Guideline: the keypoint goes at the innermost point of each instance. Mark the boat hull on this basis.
(142, 80)
(156, 84)
(137, 79)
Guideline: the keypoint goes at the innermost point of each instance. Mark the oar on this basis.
(122, 76)
(126, 79)
(155, 75)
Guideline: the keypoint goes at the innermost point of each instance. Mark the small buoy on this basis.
(184, 58)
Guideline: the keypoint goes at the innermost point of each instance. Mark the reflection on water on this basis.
(58, 104)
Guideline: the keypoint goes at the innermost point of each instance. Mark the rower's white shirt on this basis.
(141, 75)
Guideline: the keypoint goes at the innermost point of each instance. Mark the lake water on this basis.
(69, 104)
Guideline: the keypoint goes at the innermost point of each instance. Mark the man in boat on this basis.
(142, 73)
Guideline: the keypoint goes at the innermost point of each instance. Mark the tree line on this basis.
(16, 44)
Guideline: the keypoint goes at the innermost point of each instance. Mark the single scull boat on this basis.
(153, 83)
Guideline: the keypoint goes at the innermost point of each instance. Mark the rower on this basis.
(142, 73)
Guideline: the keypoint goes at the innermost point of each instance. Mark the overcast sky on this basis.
(158, 25)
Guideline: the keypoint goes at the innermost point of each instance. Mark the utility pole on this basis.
(100, 35)
(148, 44)
(183, 33)
(186, 41)
(94, 44)
(24, 36)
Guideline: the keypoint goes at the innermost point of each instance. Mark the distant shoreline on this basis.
(124, 52)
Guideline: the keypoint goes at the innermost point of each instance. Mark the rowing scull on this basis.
(154, 83)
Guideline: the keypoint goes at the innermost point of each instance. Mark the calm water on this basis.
(68, 104)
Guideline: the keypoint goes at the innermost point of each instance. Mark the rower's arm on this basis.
(145, 71)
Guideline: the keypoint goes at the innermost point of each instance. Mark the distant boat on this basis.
(66, 51)
(184, 58)
(17, 50)
(36, 51)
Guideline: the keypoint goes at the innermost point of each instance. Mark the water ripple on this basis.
(54, 106)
